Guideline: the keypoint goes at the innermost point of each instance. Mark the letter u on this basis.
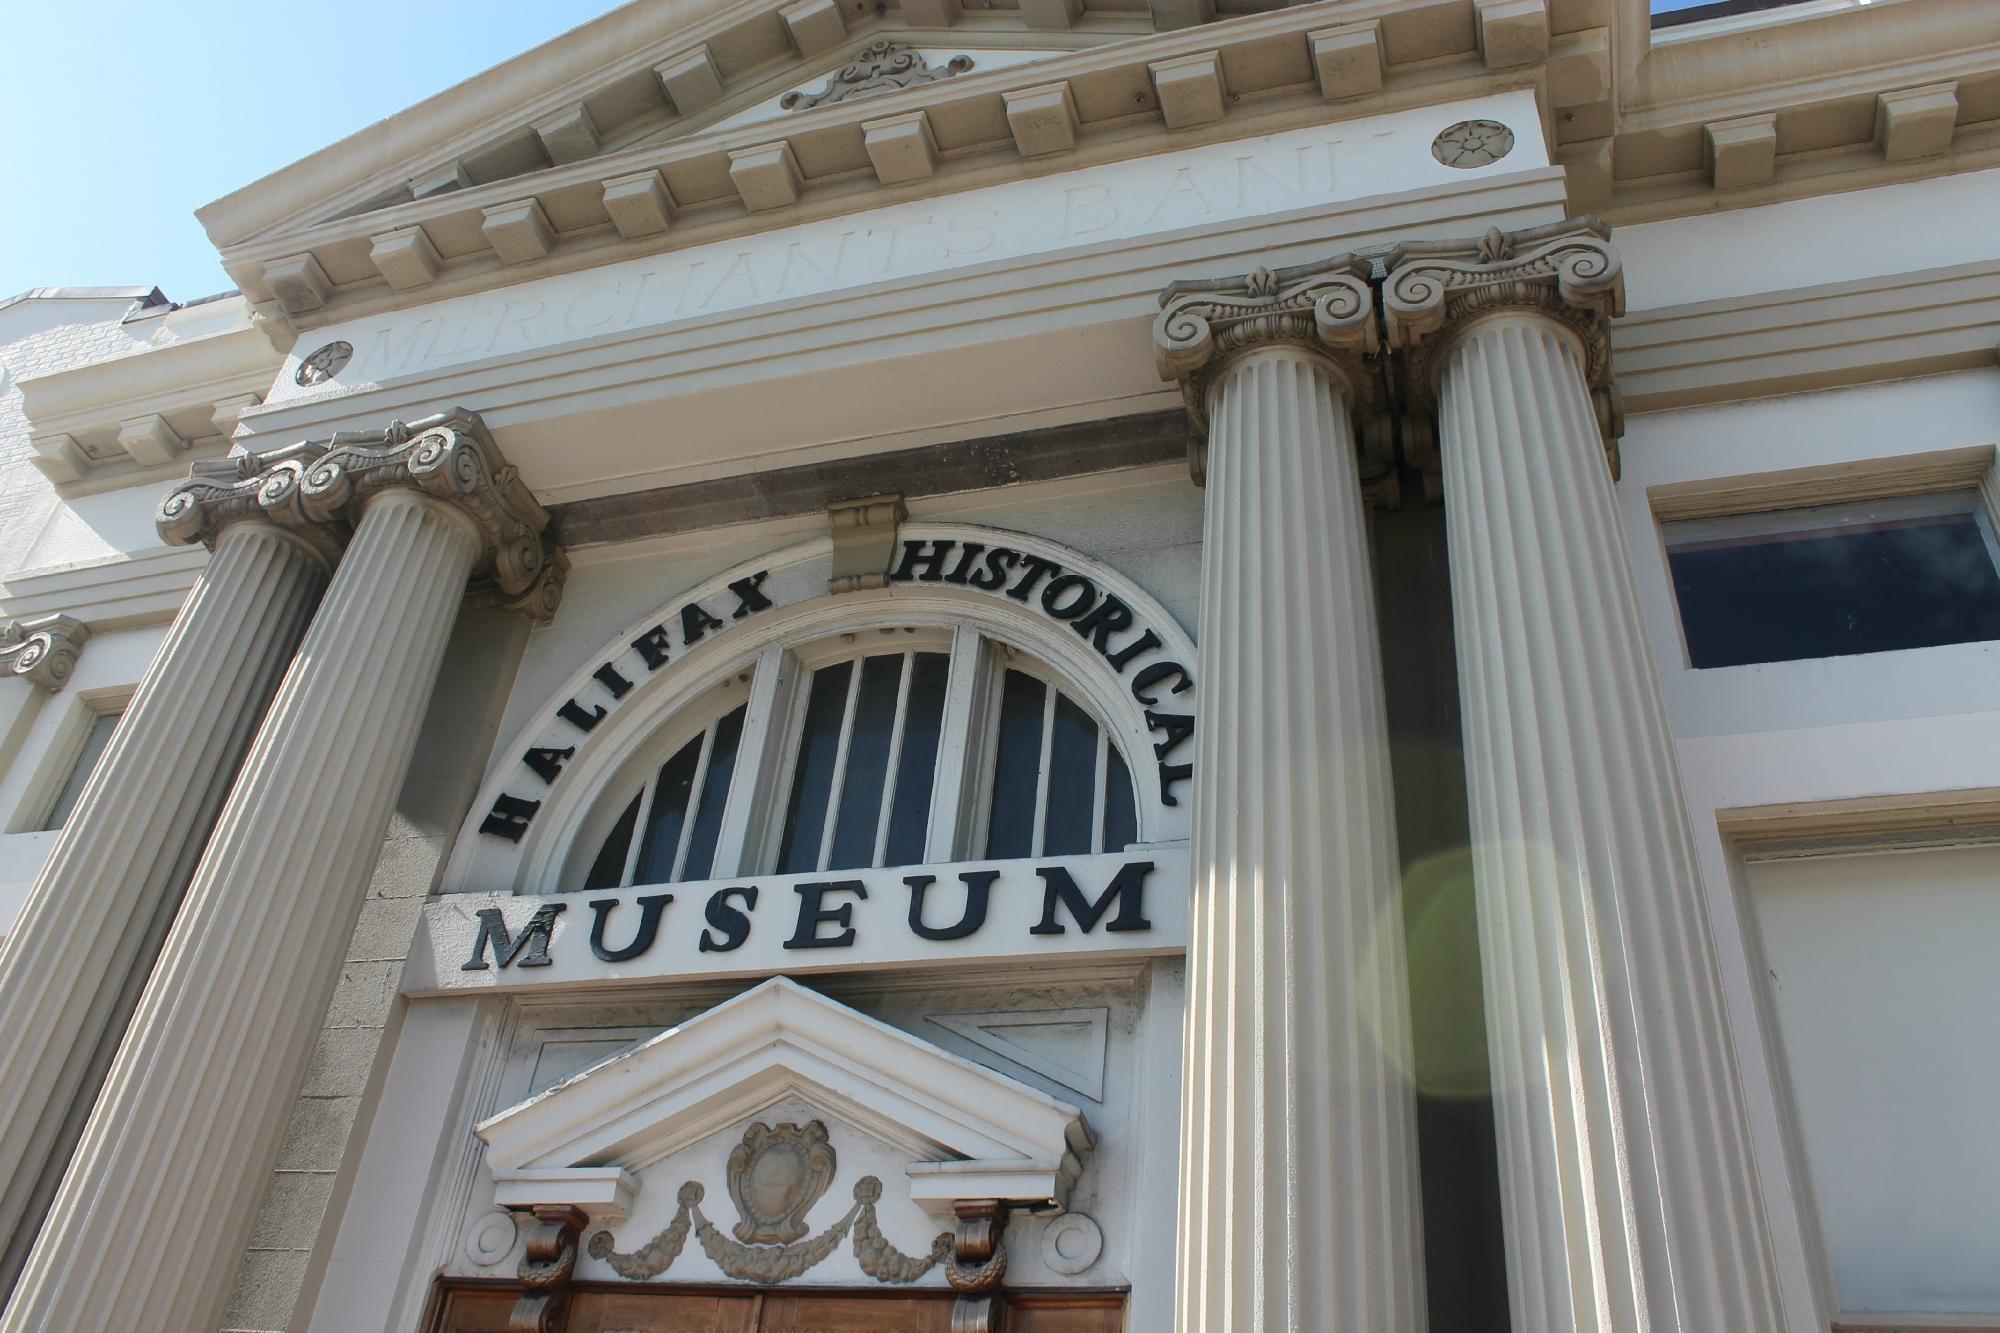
(650, 907)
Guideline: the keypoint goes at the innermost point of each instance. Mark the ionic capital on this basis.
(1565, 271)
(1327, 308)
(317, 490)
(220, 493)
(42, 649)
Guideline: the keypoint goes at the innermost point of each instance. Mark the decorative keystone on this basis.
(317, 490)
(864, 541)
(1205, 324)
(1566, 271)
(42, 650)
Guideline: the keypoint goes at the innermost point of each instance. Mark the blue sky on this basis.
(125, 116)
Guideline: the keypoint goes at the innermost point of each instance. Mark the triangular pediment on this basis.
(667, 117)
(965, 1131)
(680, 70)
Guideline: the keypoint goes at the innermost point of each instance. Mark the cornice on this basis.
(1115, 110)
(124, 592)
(42, 650)
(1862, 331)
(317, 490)
(1632, 117)
(143, 413)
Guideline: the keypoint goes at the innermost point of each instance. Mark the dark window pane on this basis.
(867, 763)
(714, 795)
(1855, 587)
(669, 812)
(609, 867)
(1010, 824)
(916, 771)
(1070, 819)
(1121, 814)
(94, 741)
(812, 775)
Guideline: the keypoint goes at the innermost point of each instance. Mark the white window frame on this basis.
(575, 809)
(775, 684)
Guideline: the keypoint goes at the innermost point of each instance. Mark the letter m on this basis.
(1127, 889)
(534, 938)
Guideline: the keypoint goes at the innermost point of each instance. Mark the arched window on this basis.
(884, 746)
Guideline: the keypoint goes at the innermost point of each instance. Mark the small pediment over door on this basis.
(782, 1137)
(965, 1131)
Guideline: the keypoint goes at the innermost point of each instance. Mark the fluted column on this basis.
(1627, 1181)
(93, 924)
(1299, 1203)
(152, 1218)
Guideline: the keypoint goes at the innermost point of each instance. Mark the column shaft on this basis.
(1627, 1179)
(174, 1159)
(86, 940)
(1299, 1194)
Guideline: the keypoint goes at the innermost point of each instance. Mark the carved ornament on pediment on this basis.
(1566, 271)
(884, 66)
(1328, 307)
(42, 649)
(317, 490)
(776, 1175)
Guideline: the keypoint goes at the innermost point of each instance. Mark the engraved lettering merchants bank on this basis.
(1211, 185)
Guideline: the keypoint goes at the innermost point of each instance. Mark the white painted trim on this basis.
(605, 758)
(967, 1128)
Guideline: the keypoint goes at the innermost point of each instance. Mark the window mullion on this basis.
(895, 764)
(639, 829)
(957, 749)
(1049, 696)
(832, 819)
(759, 758)
(1097, 787)
(694, 802)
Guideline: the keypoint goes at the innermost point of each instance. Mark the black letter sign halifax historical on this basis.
(1100, 617)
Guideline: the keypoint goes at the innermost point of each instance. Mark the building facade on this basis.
(1037, 665)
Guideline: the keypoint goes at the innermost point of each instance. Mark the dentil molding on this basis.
(317, 490)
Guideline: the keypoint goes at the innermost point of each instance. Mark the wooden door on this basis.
(465, 1307)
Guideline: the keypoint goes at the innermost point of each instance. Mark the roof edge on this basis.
(276, 197)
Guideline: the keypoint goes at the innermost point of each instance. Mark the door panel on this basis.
(664, 1312)
(914, 1313)
(626, 1308)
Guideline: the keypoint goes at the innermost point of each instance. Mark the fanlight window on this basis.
(922, 745)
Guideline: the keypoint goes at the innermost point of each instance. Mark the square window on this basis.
(1869, 577)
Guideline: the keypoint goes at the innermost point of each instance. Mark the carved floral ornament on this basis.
(42, 650)
(884, 66)
(316, 491)
(1426, 292)
(776, 1175)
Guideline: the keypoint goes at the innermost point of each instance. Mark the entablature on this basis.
(140, 416)
(685, 139)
